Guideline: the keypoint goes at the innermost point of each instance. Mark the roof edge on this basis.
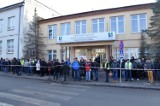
(102, 11)
(9, 7)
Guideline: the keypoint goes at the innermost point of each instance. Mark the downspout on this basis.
(19, 31)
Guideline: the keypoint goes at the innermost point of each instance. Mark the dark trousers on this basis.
(55, 76)
(96, 74)
(42, 72)
(128, 73)
(107, 76)
(76, 75)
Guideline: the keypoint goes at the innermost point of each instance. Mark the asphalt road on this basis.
(29, 92)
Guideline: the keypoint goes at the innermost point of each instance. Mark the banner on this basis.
(88, 37)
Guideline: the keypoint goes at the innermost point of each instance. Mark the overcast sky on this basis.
(75, 6)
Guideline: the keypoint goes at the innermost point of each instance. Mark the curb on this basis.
(87, 84)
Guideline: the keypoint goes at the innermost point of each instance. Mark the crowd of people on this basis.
(129, 69)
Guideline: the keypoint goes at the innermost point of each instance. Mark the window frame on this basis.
(54, 31)
(66, 28)
(11, 23)
(1, 25)
(98, 25)
(128, 51)
(9, 43)
(117, 24)
(53, 52)
(0, 47)
(138, 22)
(81, 27)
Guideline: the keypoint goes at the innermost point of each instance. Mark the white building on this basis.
(14, 24)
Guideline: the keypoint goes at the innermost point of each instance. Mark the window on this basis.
(139, 23)
(52, 54)
(117, 24)
(63, 54)
(10, 46)
(98, 25)
(11, 23)
(52, 31)
(1, 25)
(65, 28)
(0, 46)
(128, 53)
(80, 27)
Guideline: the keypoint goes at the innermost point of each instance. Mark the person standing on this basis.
(88, 70)
(75, 67)
(149, 67)
(156, 69)
(30, 67)
(128, 70)
(123, 69)
(56, 69)
(38, 67)
(98, 60)
(107, 70)
(82, 68)
(43, 67)
(65, 69)
(95, 69)
(115, 67)
(68, 62)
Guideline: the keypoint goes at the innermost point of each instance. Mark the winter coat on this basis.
(88, 66)
(149, 66)
(75, 65)
(95, 65)
(114, 65)
(65, 69)
(82, 65)
(37, 66)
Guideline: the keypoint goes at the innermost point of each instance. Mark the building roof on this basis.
(11, 6)
(99, 12)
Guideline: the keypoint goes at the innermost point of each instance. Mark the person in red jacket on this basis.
(88, 70)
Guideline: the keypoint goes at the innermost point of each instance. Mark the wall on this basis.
(9, 34)
(29, 8)
(130, 39)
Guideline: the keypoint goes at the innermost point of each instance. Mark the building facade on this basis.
(14, 24)
(86, 35)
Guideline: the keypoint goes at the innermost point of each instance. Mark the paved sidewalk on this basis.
(141, 84)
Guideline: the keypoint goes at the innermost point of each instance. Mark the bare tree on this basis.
(34, 39)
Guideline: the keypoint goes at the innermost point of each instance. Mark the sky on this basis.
(65, 7)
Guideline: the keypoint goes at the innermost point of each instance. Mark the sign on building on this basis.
(88, 37)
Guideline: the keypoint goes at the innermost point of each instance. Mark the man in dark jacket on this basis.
(96, 67)
(82, 68)
(43, 67)
(156, 69)
(98, 60)
(65, 70)
(56, 69)
(114, 66)
(107, 69)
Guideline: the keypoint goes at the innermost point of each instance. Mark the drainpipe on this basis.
(19, 31)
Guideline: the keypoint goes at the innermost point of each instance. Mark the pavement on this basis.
(141, 84)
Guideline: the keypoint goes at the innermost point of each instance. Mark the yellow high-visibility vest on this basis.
(22, 62)
(130, 65)
(106, 65)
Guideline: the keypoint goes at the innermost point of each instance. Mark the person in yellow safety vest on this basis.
(22, 64)
(107, 69)
(128, 70)
(22, 61)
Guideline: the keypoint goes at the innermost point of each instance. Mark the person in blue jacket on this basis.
(75, 68)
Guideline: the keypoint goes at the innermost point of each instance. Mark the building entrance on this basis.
(101, 53)
(91, 53)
